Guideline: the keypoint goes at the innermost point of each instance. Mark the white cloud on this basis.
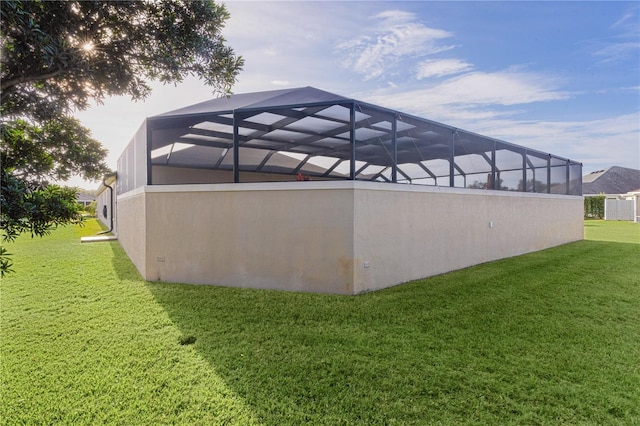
(441, 67)
(595, 143)
(280, 82)
(395, 16)
(500, 88)
(396, 37)
(270, 51)
(463, 93)
(617, 51)
(291, 41)
(628, 22)
(624, 44)
(624, 21)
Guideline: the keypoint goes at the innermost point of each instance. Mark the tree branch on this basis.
(9, 83)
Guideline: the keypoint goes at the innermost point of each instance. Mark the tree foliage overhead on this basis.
(34, 152)
(57, 56)
(46, 207)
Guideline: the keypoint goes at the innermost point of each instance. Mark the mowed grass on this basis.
(547, 338)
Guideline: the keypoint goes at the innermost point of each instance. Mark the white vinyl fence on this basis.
(615, 209)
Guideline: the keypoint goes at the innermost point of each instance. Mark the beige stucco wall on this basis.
(337, 237)
(132, 227)
(243, 235)
(402, 235)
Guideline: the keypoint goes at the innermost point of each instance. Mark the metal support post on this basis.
(236, 148)
(352, 141)
(394, 148)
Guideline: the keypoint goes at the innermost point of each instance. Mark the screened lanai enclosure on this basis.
(304, 190)
(310, 134)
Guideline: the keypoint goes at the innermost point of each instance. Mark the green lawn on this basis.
(547, 338)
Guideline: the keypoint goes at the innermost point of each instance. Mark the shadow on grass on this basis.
(122, 265)
(498, 341)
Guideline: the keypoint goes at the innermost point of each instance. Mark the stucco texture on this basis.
(343, 237)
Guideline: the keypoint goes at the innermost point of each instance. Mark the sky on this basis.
(560, 77)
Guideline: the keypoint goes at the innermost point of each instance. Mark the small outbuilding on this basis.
(301, 189)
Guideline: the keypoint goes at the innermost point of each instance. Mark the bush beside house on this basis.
(594, 207)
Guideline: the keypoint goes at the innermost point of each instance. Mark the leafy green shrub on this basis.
(27, 207)
(594, 207)
(91, 208)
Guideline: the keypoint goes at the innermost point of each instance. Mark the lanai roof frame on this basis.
(309, 125)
